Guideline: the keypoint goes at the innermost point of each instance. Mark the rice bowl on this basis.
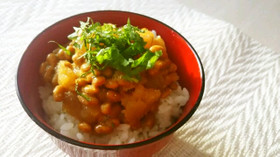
(189, 65)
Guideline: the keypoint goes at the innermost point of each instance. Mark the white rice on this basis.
(170, 108)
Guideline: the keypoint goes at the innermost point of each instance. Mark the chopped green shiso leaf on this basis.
(62, 47)
(120, 48)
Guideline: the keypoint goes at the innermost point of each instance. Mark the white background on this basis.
(259, 19)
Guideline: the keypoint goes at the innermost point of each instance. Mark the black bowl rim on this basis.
(122, 146)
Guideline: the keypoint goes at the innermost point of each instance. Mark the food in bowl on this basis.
(111, 85)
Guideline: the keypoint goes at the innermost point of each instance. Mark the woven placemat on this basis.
(239, 113)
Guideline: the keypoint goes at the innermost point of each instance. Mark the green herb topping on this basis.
(120, 48)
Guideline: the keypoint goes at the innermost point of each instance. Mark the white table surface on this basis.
(239, 112)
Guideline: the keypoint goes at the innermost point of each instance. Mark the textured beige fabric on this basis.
(239, 113)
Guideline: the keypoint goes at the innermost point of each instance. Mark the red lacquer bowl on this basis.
(179, 50)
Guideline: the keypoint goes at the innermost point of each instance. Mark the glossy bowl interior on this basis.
(179, 50)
